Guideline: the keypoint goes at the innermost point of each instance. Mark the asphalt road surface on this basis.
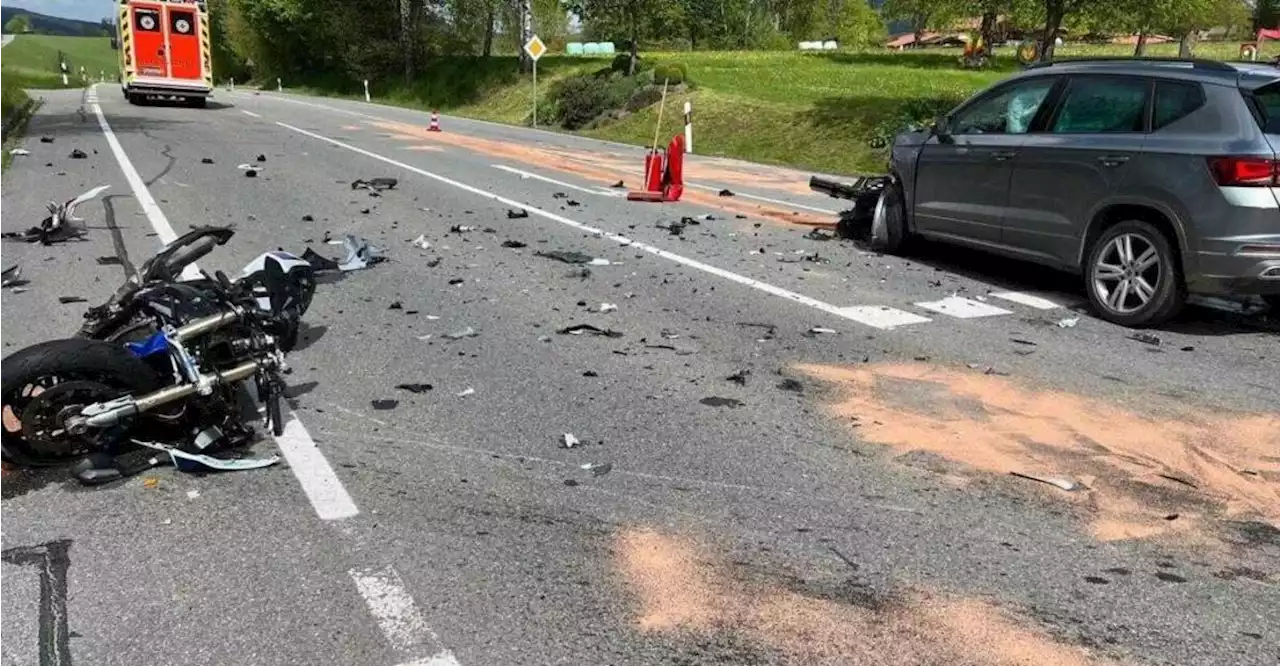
(849, 497)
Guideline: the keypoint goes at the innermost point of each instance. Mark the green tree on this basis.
(923, 14)
(19, 24)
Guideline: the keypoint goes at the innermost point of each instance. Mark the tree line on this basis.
(356, 39)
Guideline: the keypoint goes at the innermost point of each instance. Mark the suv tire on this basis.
(1122, 263)
(889, 221)
(1273, 301)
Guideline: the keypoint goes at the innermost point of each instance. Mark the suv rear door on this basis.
(1061, 174)
(962, 178)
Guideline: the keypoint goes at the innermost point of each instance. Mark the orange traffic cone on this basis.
(435, 122)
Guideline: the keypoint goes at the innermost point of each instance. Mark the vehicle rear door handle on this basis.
(1113, 160)
(1002, 155)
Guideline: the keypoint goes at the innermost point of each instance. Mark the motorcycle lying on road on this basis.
(161, 364)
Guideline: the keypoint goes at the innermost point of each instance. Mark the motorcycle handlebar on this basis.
(189, 254)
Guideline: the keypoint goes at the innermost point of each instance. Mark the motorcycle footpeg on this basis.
(97, 469)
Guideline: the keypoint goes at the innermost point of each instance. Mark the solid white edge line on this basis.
(710, 188)
(249, 113)
(619, 239)
(553, 181)
(314, 473)
(321, 486)
(397, 616)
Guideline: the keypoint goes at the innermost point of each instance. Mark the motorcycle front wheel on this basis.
(42, 385)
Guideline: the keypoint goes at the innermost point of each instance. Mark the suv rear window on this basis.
(1175, 100)
(1267, 105)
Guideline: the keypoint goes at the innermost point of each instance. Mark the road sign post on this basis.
(535, 48)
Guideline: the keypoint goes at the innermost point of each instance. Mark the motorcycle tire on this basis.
(93, 361)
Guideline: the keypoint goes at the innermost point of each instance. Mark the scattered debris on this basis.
(517, 214)
(396, 305)
(1146, 338)
(1069, 322)
(461, 229)
(72, 299)
(580, 273)
(464, 393)
(570, 482)
(1188, 348)
(77, 154)
(569, 441)
(193, 494)
(421, 242)
(606, 308)
(60, 225)
(818, 330)
(590, 373)
(456, 281)
(792, 385)
(415, 388)
(1056, 481)
(10, 275)
(1021, 341)
(365, 211)
(770, 329)
(988, 369)
(206, 160)
(360, 254)
(680, 351)
(375, 184)
(573, 203)
(819, 235)
(19, 151)
(715, 401)
(619, 185)
(726, 193)
(579, 329)
(261, 158)
(46, 139)
(559, 195)
(739, 377)
(318, 262)
(566, 257)
(383, 405)
(513, 244)
(598, 469)
(467, 332)
(308, 218)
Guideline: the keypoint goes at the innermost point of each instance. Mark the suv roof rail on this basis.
(1196, 63)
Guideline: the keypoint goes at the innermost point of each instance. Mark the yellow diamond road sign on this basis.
(535, 48)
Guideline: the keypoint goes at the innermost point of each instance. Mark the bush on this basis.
(581, 99)
(623, 60)
(644, 97)
(675, 73)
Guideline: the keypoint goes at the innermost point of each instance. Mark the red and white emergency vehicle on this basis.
(165, 50)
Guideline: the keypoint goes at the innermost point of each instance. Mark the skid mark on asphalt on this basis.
(682, 589)
(1174, 469)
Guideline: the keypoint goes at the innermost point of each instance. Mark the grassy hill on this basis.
(44, 24)
(820, 111)
(31, 61)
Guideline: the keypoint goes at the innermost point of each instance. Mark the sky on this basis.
(84, 10)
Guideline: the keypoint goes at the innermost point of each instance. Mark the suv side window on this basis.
(1009, 110)
(1174, 101)
(1103, 104)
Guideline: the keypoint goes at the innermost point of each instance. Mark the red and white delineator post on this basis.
(435, 122)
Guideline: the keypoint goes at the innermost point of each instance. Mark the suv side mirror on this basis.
(942, 129)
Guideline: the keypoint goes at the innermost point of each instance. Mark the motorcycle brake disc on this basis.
(44, 418)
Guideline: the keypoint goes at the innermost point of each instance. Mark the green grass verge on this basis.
(15, 110)
(31, 61)
(816, 111)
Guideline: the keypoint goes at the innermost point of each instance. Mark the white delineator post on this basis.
(688, 127)
(366, 90)
(279, 86)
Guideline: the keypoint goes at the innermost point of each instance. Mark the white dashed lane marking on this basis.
(963, 308)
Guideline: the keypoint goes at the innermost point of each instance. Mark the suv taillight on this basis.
(1245, 171)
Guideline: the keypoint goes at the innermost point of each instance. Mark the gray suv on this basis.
(1150, 178)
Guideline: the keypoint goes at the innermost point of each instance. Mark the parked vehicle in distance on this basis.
(1151, 178)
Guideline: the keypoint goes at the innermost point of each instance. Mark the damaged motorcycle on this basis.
(161, 365)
